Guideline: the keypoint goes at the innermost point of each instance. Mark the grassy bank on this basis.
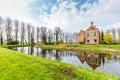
(78, 47)
(18, 66)
(19, 45)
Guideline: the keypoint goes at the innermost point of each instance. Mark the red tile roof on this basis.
(92, 27)
(81, 32)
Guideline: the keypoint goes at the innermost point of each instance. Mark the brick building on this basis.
(90, 36)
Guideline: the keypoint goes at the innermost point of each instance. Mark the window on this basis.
(95, 33)
(95, 40)
(87, 34)
(88, 40)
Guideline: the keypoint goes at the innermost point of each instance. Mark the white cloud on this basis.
(54, 9)
(67, 16)
(32, 0)
(12, 7)
(44, 7)
(15, 9)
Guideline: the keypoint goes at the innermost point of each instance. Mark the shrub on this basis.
(59, 42)
(81, 42)
(49, 43)
(12, 43)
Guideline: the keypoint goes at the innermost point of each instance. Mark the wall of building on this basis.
(92, 37)
(80, 39)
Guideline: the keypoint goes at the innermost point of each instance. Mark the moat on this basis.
(104, 62)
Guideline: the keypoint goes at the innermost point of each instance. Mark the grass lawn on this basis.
(82, 47)
(18, 66)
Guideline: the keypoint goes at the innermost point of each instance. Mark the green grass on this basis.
(84, 47)
(19, 45)
(18, 66)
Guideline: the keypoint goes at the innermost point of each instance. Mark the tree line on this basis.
(14, 32)
(111, 36)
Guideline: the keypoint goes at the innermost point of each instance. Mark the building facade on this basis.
(90, 36)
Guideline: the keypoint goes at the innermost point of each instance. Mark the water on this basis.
(108, 63)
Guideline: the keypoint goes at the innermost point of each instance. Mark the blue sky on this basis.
(39, 7)
(70, 15)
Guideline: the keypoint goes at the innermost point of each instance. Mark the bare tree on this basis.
(37, 34)
(57, 31)
(29, 27)
(1, 31)
(114, 33)
(70, 37)
(61, 36)
(108, 31)
(43, 34)
(23, 30)
(8, 29)
(74, 37)
(32, 36)
(119, 33)
(0, 21)
(16, 23)
(66, 35)
(49, 36)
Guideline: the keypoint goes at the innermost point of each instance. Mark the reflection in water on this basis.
(92, 59)
(103, 59)
(96, 61)
(22, 49)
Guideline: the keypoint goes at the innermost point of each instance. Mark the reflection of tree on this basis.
(28, 50)
(43, 52)
(37, 52)
(22, 49)
(57, 57)
(31, 50)
(108, 56)
(103, 59)
(13, 48)
(117, 57)
(50, 52)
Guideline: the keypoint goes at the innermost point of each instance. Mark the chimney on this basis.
(92, 23)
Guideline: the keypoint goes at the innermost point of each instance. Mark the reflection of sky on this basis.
(110, 65)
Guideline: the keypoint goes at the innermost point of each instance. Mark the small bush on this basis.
(12, 43)
(81, 42)
(59, 42)
(50, 43)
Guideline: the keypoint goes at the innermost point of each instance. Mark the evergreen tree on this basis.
(102, 37)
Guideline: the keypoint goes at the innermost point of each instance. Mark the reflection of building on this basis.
(92, 59)
(90, 36)
(82, 57)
